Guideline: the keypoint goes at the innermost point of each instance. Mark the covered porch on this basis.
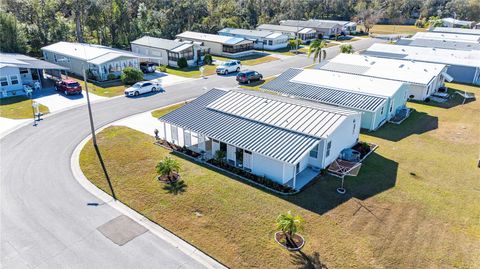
(303, 178)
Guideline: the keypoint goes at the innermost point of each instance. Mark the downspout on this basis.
(294, 175)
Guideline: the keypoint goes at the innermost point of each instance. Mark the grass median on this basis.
(411, 205)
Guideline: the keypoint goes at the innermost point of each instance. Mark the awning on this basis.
(447, 77)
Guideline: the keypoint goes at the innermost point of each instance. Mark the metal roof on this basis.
(447, 37)
(285, 114)
(87, 52)
(394, 69)
(211, 37)
(311, 23)
(159, 43)
(283, 84)
(282, 28)
(23, 61)
(456, 30)
(271, 141)
(432, 55)
(244, 32)
(441, 44)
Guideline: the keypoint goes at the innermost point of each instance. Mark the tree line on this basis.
(28, 25)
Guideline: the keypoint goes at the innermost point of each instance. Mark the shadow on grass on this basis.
(416, 123)
(378, 174)
(176, 187)
(303, 261)
(455, 100)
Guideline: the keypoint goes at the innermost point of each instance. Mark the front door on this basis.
(247, 160)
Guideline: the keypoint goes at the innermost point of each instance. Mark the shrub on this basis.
(131, 75)
(346, 48)
(421, 23)
(162, 68)
(111, 76)
(182, 62)
(208, 59)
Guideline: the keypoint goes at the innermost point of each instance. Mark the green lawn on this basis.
(192, 71)
(102, 91)
(381, 29)
(255, 86)
(249, 60)
(18, 107)
(160, 112)
(413, 205)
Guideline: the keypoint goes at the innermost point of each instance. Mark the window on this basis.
(14, 80)
(354, 125)
(174, 134)
(187, 138)
(297, 168)
(223, 147)
(270, 42)
(329, 146)
(314, 152)
(3, 81)
(23, 71)
(381, 112)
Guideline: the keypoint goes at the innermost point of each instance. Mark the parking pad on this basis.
(121, 230)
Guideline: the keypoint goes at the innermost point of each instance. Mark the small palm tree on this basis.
(316, 47)
(289, 225)
(167, 167)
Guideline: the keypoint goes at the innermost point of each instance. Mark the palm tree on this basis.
(316, 47)
(167, 167)
(289, 225)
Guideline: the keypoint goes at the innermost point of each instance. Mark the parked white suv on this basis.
(229, 67)
(142, 87)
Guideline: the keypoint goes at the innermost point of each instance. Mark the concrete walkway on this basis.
(143, 122)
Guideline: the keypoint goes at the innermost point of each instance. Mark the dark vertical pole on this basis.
(94, 137)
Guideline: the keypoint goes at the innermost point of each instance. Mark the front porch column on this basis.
(294, 176)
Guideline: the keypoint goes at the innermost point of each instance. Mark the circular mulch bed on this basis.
(298, 241)
(165, 179)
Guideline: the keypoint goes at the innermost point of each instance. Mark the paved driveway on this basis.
(46, 221)
(56, 101)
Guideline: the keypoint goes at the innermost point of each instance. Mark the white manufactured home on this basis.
(423, 79)
(463, 65)
(293, 32)
(98, 60)
(455, 30)
(447, 37)
(264, 40)
(284, 140)
(17, 71)
(377, 99)
(168, 52)
(226, 46)
(455, 23)
(324, 29)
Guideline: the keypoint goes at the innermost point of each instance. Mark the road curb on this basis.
(154, 228)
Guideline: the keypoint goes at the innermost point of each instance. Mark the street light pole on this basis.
(92, 127)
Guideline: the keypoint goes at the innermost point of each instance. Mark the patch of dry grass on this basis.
(18, 107)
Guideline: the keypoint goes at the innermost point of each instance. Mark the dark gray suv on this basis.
(248, 76)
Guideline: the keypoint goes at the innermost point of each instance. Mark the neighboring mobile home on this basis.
(226, 46)
(271, 136)
(454, 23)
(423, 79)
(348, 27)
(99, 61)
(377, 99)
(447, 37)
(463, 66)
(324, 29)
(455, 30)
(293, 32)
(439, 44)
(17, 70)
(264, 40)
(167, 52)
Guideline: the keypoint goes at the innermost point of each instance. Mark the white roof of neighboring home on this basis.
(455, 21)
(400, 70)
(96, 54)
(24, 61)
(284, 28)
(447, 37)
(250, 33)
(348, 82)
(432, 55)
(211, 37)
(456, 30)
(306, 31)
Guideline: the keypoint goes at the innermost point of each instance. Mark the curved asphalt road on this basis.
(45, 220)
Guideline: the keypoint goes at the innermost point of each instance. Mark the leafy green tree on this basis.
(168, 167)
(12, 34)
(131, 75)
(289, 224)
(208, 59)
(346, 48)
(435, 21)
(316, 48)
(294, 43)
